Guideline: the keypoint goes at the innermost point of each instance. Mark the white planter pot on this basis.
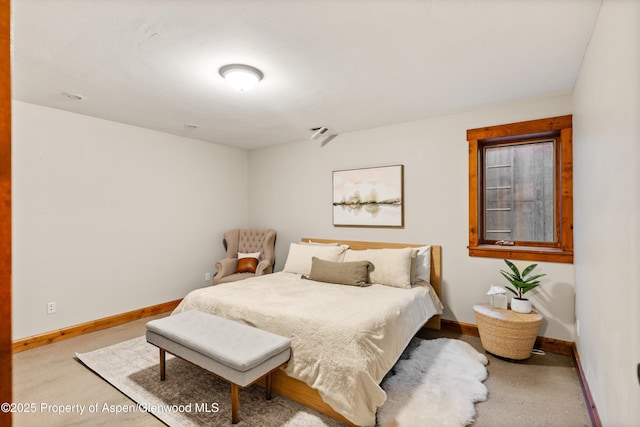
(521, 305)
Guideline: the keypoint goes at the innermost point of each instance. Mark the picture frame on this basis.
(369, 197)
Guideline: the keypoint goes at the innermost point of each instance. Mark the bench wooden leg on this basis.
(268, 386)
(162, 366)
(235, 403)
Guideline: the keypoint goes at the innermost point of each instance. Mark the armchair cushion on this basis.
(249, 255)
(247, 265)
(233, 278)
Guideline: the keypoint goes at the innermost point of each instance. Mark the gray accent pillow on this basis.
(343, 273)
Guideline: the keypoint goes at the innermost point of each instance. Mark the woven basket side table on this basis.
(506, 333)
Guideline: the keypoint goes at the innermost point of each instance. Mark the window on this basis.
(521, 190)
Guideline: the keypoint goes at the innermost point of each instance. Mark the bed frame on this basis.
(299, 391)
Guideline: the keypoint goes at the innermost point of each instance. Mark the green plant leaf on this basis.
(532, 278)
(512, 291)
(529, 269)
(513, 268)
(520, 284)
(524, 290)
(510, 277)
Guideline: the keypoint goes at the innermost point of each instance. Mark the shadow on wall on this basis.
(444, 296)
(543, 301)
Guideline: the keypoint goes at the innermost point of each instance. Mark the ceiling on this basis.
(344, 64)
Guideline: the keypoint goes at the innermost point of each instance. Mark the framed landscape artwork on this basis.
(370, 197)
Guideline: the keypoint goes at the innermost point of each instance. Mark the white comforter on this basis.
(344, 339)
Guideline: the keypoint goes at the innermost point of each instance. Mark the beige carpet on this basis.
(191, 397)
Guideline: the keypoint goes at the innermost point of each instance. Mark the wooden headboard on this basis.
(436, 261)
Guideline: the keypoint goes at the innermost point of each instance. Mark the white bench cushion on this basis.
(229, 343)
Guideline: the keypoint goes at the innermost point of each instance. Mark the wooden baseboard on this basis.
(547, 344)
(459, 327)
(588, 398)
(95, 325)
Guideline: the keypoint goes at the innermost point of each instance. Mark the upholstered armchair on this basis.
(254, 242)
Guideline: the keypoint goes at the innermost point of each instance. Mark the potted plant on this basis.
(522, 283)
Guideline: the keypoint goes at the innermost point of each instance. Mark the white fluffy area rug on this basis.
(435, 383)
(436, 386)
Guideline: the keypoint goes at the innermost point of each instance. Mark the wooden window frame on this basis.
(558, 128)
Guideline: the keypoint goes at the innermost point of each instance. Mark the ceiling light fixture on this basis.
(240, 76)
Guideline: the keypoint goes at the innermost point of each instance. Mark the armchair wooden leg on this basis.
(235, 403)
(162, 364)
(268, 386)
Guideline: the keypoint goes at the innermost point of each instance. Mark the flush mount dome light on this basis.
(240, 76)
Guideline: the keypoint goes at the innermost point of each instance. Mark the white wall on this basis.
(109, 218)
(606, 104)
(290, 190)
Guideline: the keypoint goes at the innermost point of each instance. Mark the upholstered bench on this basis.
(238, 353)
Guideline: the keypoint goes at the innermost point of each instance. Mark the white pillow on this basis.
(423, 263)
(249, 255)
(299, 258)
(311, 242)
(391, 267)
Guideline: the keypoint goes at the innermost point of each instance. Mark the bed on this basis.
(344, 338)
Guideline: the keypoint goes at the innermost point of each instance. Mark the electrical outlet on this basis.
(207, 276)
(51, 308)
